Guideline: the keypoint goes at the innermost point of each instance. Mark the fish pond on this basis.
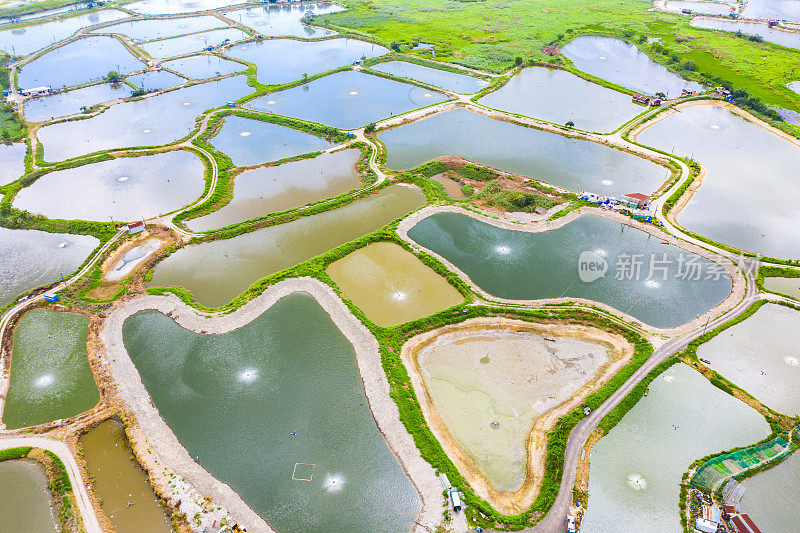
(204, 66)
(772, 9)
(71, 102)
(452, 188)
(766, 366)
(708, 8)
(520, 265)
(148, 30)
(154, 80)
(787, 286)
(635, 470)
(150, 121)
(347, 99)
(271, 385)
(616, 61)
(12, 161)
(82, 61)
(508, 377)
(769, 497)
(128, 500)
(31, 258)
(772, 35)
(737, 155)
(449, 81)
(559, 96)
(215, 272)
(251, 142)
(268, 190)
(569, 163)
(308, 57)
(284, 20)
(29, 506)
(391, 285)
(28, 39)
(50, 374)
(130, 188)
(192, 43)
(172, 7)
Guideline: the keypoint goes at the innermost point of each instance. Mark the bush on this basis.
(494, 194)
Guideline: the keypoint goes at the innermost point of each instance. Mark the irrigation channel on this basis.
(203, 471)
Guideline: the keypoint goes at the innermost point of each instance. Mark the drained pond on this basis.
(50, 374)
(569, 163)
(215, 272)
(29, 506)
(559, 96)
(635, 470)
(519, 265)
(128, 500)
(268, 190)
(271, 385)
(124, 189)
(736, 154)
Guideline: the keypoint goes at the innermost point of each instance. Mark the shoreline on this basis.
(170, 451)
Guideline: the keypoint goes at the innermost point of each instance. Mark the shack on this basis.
(635, 200)
(705, 526)
(641, 99)
(455, 499)
(50, 297)
(135, 227)
(37, 91)
(742, 523)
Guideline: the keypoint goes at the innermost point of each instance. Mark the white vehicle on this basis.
(571, 525)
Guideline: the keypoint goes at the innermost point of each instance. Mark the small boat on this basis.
(706, 361)
(647, 391)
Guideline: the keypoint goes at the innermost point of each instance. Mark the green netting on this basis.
(715, 472)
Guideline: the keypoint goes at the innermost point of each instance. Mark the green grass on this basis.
(35, 7)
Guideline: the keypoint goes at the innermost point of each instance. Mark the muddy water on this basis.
(622, 63)
(772, 35)
(26, 503)
(391, 285)
(766, 366)
(769, 497)
(272, 189)
(31, 258)
(519, 265)
(283, 20)
(347, 99)
(217, 271)
(787, 286)
(192, 43)
(508, 379)
(132, 258)
(309, 58)
(129, 502)
(12, 162)
(451, 187)
(635, 470)
(253, 142)
(736, 154)
(81, 61)
(204, 66)
(26, 40)
(277, 399)
(50, 374)
(123, 189)
(149, 122)
(448, 81)
(147, 30)
(559, 96)
(69, 103)
(572, 164)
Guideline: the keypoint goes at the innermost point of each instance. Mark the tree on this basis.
(369, 128)
(114, 77)
(661, 95)
(395, 46)
(518, 61)
(570, 124)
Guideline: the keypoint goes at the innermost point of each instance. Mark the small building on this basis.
(711, 513)
(351, 135)
(455, 499)
(50, 297)
(705, 526)
(729, 509)
(655, 102)
(636, 200)
(135, 227)
(742, 523)
(37, 91)
(641, 99)
(230, 104)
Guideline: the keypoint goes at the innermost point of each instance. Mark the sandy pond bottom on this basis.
(277, 410)
(391, 285)
(28, 507)
(489, 385)
(635, 470)
(50, 374)
(129, 502)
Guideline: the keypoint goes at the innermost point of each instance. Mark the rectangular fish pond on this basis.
(71, 102)
(192, 43)
(347, 100)
(519, 265)
(283, 20)
(268, 190)
(200, 67)
(569, 163)
(50, 374)
(128, 500)
(635, 470)
(449, 81)
(216, 272)
(148, 30)
(276, 409)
